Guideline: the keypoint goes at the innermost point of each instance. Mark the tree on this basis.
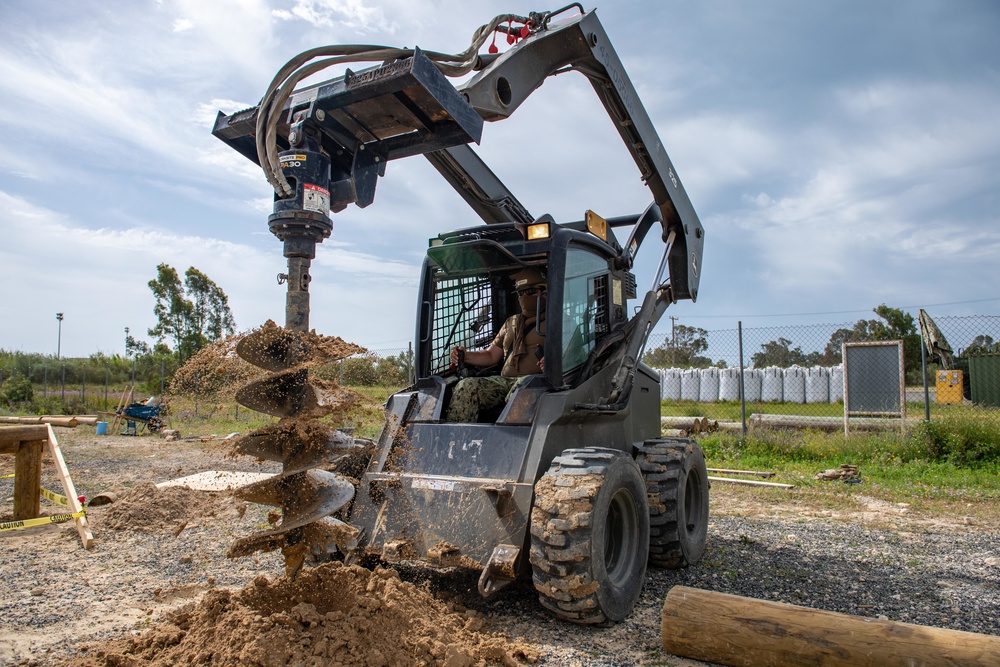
(193, 313)
(682, 350)
(894, 325)
(780, 353)
(981, 344)
(135, 348)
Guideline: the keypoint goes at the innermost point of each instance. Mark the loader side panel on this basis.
(466, 450)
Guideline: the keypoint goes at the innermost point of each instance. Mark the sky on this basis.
(840, 155)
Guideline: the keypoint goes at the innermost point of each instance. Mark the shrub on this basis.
(18, 390)
(962, 439)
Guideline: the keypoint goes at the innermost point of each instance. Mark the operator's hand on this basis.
(541, 364)
(454, 353)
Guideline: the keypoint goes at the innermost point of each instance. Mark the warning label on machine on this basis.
(315, 198)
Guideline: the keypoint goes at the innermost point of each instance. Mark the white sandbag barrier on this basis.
(794, 384)
(817, 385)
(752, 384)
(836, 384)
(691, 384)
(670, 384)
(708, 388)
(729, 384)
(773, 384)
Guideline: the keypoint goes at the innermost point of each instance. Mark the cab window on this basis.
(585, 305)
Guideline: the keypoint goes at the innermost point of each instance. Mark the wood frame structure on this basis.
(29, 443)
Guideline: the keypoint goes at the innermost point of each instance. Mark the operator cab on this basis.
(467, 294)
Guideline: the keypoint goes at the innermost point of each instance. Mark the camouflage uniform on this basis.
(517, 338)
(479, 393)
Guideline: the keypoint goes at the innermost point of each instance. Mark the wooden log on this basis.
(12, 436)
(729, 426)
(743, 632)
(20, 420)
(825, 423)
(69, 422)
(673, 433)
(690, 424)
(749, 482)
(86, 421)
(28, 480)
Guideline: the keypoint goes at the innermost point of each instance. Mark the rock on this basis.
(186, 560)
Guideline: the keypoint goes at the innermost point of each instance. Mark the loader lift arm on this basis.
(581, 44)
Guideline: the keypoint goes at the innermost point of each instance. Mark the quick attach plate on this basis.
(407, 107)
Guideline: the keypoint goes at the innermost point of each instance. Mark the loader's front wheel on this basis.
(590, 535)
(677, 483)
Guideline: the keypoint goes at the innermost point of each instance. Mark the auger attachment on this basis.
(307, 494)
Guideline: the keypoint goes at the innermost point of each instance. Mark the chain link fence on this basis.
(795, 375)
(792, 374)
(45, 385)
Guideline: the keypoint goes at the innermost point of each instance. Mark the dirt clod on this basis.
(330, 615)
(147, 509)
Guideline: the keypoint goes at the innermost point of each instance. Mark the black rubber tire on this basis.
(677, 484)
(590, 535)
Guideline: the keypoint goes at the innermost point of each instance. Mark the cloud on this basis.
(352, 14)
(98, 278)
(180, 25)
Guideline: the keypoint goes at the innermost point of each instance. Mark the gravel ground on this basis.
(55, 597)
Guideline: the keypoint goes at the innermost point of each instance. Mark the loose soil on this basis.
(157, 588)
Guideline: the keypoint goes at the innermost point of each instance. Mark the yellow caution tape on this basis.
(41, 521)
(10, 476)
(54, 497)
(57, 498)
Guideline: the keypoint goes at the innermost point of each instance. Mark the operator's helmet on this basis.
(527, 278)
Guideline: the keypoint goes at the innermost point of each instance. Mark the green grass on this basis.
(730, 410)
(956, 457)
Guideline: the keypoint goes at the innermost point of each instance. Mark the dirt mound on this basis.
(331, 615)
(148, 509)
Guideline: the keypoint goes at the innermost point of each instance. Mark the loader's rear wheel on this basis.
(590, 535)
(677, 482)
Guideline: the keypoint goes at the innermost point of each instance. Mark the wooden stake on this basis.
(749, 482)
(741, 472)
(121, 406)
(82, 527)
(738, 631)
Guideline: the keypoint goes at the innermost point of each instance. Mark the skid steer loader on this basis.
(569, 480)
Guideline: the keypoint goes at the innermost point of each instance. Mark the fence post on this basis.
(107, 374)
(923, 372)
(133, 370)
(83, 389)
(64, 388)
(743, 398)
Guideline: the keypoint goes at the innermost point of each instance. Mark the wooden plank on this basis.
(28, 480)
(12, 436)
(126, 397)
(744, 631)
(749, 482)
(82, 527)
(116, 414)
(755, 473)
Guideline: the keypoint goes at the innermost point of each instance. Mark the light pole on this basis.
(126, 342)
(59, 316)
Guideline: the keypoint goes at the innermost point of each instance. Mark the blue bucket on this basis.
(102, 428)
